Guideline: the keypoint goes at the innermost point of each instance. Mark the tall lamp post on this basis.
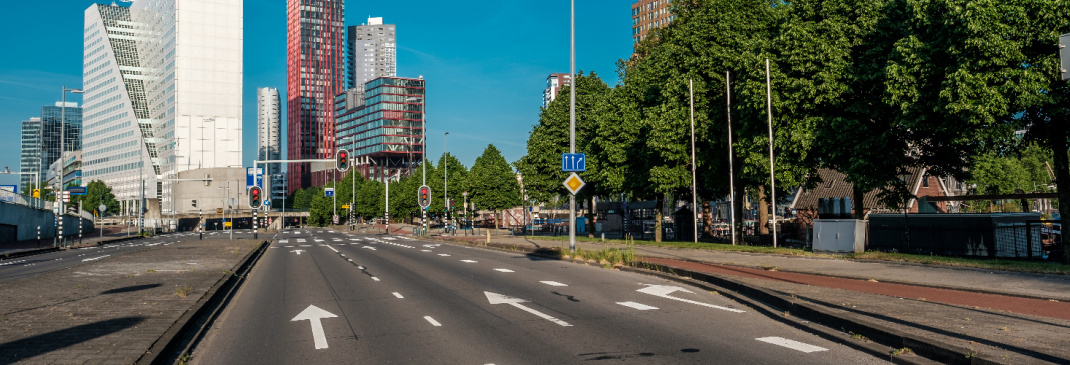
(62, 149)
(445, 181)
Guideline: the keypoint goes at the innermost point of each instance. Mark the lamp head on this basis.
(77, 91)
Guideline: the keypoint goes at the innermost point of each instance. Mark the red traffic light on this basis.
(342, 159)
(254, 197)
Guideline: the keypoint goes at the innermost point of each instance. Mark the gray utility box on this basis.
(839, 235)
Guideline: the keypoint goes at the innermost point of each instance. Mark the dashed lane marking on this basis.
(552, 283)
(639, 306)
(301, 240)
(425, 250)
(284, 241)
(504, 270)
(333, 249)
(792, 344)
(444, 254)
(396, 294)
(375, 278)
(469, 261)
(433, 321)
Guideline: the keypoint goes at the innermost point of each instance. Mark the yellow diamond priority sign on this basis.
(574, 183)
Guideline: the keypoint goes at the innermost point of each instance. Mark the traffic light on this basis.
(342, 157)
(255, 198)
(424, 196)
(452, 206)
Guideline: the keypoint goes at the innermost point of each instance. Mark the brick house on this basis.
(834, 185)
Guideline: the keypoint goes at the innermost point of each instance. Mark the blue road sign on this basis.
(573, 162)
(77, 190)
(267, 203)
(254, 177)
(11, 188)
(328, 192)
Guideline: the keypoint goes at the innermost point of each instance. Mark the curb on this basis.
(927, 348)
(189, 328)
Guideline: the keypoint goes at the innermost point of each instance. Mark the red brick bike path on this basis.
(1029, 306)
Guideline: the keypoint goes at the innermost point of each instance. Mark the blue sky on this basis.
(485, 62)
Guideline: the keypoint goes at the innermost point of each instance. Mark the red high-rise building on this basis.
(315, 73)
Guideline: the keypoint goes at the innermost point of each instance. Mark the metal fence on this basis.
(1025, 239)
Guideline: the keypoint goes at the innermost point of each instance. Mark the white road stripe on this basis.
(396, 294)
(284, 241)
(443, 254)
(792, 344)
(301, 240)
(638, 306)
(332, 248)
(469, 261)
(433, 321)
(552, 283)
(375, 278)
(504, 270)
(425, 250)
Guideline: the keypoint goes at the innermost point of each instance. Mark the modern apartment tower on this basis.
(30, 156)
(315, 72)
(554, 82)
(649, 14)
(372, 52)
(41, 144)
(383, 122)
(163, 93)
(268, 139)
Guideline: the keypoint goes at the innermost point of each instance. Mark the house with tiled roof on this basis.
(834, 185)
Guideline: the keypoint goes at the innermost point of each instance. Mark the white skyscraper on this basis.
(163, 85)
(372, 52)
(268, 139)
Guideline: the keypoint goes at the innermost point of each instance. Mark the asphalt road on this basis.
(21, 267)
(319, 296)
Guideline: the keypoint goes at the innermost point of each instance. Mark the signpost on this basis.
(77, 190)
(328, 192)
(1064, 55)
(101, 208)
(574, 183)
(573, 162)
(254, 177)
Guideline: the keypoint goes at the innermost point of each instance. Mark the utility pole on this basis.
(572, 126)
(694, 179)
(772, 173)
(731, 166)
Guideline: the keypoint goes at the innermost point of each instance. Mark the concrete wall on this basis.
(209, 196)
(26, 220)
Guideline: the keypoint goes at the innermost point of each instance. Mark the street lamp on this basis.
(904, 177)
(445, 181)
(63, 148)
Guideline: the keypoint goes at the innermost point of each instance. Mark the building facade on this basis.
(383, 126)
(30, 157)
(315, 71)
(72, 172)
(268, 139)
(554, 82)
(163, 94)
(372, 52)
(647, 15)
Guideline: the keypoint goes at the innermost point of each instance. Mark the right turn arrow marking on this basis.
(495, 298)
(664, 291)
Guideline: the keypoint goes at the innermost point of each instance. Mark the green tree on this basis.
(493, 183)
(97, 193)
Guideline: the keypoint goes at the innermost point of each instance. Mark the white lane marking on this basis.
(443, 254)
(306, 245)
(639, 306)
(375, 278)
(792, 344)
(318, 240)
(298, 252)
(95, 258)
(425, 250)
(389, 238)
(315, 315)
(284, 241)
(301, 240)
(332, 248)
(469, 261)
(495, 298)
(664, 291)
(552, 283)
(433, 321)
(354, 239)
(504, 270)
(396, 294)
(370, 248)
(289, 246)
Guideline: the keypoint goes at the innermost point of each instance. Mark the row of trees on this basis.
(491, 184)
(866, 87)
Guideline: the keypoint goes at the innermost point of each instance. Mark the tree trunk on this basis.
(1062, 183)
(763, 211)
(707, 219)
(659, 216)
(858, 203)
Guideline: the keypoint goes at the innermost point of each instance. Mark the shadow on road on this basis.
(130, 289)
(19, 350)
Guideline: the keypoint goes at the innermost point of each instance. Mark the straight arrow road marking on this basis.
(552, 283)
(315, 315)
(639, 306)
(495, 298)
(664, 291)
(792, 344)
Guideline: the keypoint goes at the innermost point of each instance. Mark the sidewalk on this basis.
(973, 315)
(88, 239)
(113, 310)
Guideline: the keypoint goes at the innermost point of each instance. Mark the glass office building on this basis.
(384, 124)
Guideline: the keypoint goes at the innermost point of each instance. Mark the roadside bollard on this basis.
(38, 236)
(488, 236)
(603, 236)
(79, 231)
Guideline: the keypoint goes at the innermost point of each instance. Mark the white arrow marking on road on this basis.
(314, 315)
(298, 252)
(495, 298)
(664, 291)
